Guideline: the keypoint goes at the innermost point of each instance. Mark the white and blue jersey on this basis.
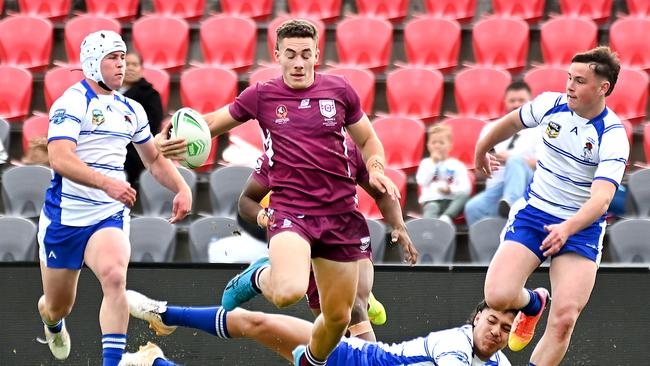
(450, 347)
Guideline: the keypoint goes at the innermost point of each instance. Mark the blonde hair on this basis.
(440, 129)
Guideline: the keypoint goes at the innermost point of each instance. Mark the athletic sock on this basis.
(308, 359)
(256, 279)
(534, 304)
(54, 328)
(531, 364)
(208, 319)
(113, 346)
(163, 362)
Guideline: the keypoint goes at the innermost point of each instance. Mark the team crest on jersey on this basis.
(553, 129)
(281, 113)
(587, 154)
(58, 117)
(327, 108)
(98, 117)
(365, 243)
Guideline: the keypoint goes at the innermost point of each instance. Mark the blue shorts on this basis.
(358, 352)
(526, 226)
(62, 246)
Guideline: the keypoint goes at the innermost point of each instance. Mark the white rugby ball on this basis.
(188, 124)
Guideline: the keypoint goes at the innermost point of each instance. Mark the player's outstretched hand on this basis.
(557, 236)
(169, 148)
(401, 237)
(486, 164)
(119, 190)
(181, 206)
(383, 184)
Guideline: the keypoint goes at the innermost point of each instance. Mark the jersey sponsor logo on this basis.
(365, 244)
(58, 117)
(587, 154)
(327, 108)
(553, 129)
(281, 112)
(304, 104)
(286, 224)
(98, 117)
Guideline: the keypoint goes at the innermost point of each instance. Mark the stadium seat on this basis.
(629, 130)
(638, 184)
(264, 73)
(439, 52)
(557, 48)
(26, 42)
(484, 239)
(367, 205)
(271, 35)
(363, 82)
(255, 9)
(392, 10)
(630, 96)
(364, 42)
(479, 92)
(228, 41)
(465, 134)
(628, 241)
(198, 88)
(207, 229)
(157, 200)
(5, 130)
(377, 240)
(225, 187)
(630, 38)
(530, 11)
(415, 92)
(160, 80)
(249, 134)
(57, 80)
(598, 10)
(122, 10)
(434, 240)
(325, 10)
(460, 10)
(501, 43)
(162, 41)
(189, 10)
(33, 127)
(15, 93)
(77, 28)
(153, 239)
(23, 190)
(646, 142)
(638, 8)
(54, 10)
(545, 78)
(393, 132)
(21, 244)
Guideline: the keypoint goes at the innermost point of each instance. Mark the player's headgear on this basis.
(94, 48)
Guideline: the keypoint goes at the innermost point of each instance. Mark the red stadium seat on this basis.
(123, 10)
(393, 132)
(393, 10)
(363, 82)
(49, 9)
(160, 81)
(557, 47)
(646, 142)
(248, 133)
(228, 41)
(57, 80)
(367, 205)
(26, 42)
(501, 42)
(629, 130)
(598, 10)
(460, 10)
(439, 52)
(35, 126)
(465, 134)
(638, 8)
(630, 38)
(630, 96)
(325, 10)
(15, 92)
(256, 9)
(275, 23)
(530, 11)
(415, 92)
(545, 78)
(77, 28)
(479, 92)
(264, 74)
(207, 89)
(162, 41)
(364, 42)
(187, 9)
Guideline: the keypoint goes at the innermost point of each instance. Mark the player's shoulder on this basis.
(137, 107)
(331, 81)
(499, 359)
(74, 94)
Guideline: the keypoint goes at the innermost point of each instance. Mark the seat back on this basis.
(434, 240)
(628, 241)
(225, 187)
(34, 127)
(479, 92)
(365, 42)
(124, 10)
(228, 41)
(440, 52)
(630, 37)
(362, 81)
(77, 28)
(545, 78)
(26, 41)
(638, 8)
(393, 10)
(377, 240)
(484, 239)
(598, 10)
(557, 48)
(255, 9)
(18, 243)
(48, 9)
(325, 10)
(57, 80)
(638, 184)
(157, 200)
(23, 189)
(460, 10)
(415, 92)
(4, 135)
(392, 132)
(465, 133)
(160, 80)
(15, 92)
(162, 41)
(501, 42)
(207, 229)
(186, 9)
(153, 239)
(531, 10)
(198, 89)
(630, 96)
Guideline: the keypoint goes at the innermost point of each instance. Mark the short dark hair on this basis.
(295, 28)
(482, 306)
(604, 62)
(136, 54)
(519, 85)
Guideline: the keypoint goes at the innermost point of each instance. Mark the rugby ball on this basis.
(188, 124)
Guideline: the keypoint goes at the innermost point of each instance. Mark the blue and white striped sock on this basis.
(208, 319)
(54, 328)
(113, 346)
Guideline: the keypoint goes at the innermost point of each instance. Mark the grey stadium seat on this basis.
(434, 240)
(4, 135)
(153, 239)
(206, 229)
(377, 240)
(18, 239)
(156, 199)
(484, 239)
(226, 185)
(639, 185)
(23, 189)
(628, 241)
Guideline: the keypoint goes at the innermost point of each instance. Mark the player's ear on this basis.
(476, 318)
(317, 54)
(276, 54)
(604, 87)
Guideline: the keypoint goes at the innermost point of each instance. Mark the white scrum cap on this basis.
(94, 48)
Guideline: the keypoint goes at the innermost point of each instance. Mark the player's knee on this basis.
(287, 295)
(59, 310)
(255, 322)
(498, 298)
(338, 318)
(113, 279)
(562, 321)
(359, 312)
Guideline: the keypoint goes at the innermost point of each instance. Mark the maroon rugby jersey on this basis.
(309, 164)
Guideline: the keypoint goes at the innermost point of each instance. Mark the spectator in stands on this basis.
(136, 87)
(517, 158)
(36, 153)
(443, 181)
